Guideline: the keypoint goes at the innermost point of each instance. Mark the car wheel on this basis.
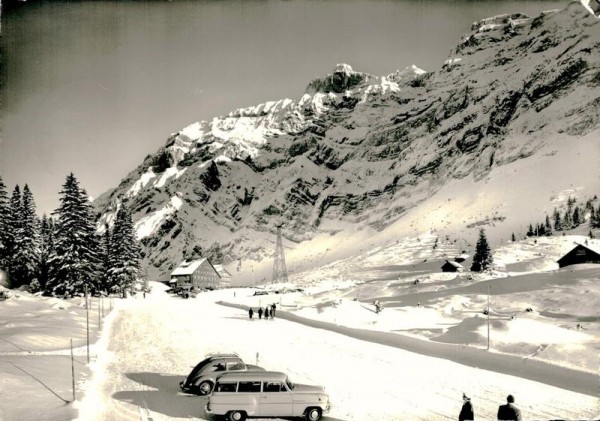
(313, 414)
(205, 387)
(236, 416)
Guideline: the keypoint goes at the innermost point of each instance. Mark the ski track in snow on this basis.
(152, 344)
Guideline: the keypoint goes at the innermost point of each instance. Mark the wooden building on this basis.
(225, 276)
(197, 274)
(581, 253)
(451, 266)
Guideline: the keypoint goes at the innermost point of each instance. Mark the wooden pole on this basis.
(488, 319)
(73, 369)
(87, 323)
(99, 318)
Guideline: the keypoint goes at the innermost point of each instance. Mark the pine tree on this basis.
(558, 226)
(594, 218)
(567, 220)
(589, 205)
(75, 261)
(530, 232)
(540, 230)
(14, 235)
(577, 217)
(591, 235)
(26, 254)
(512, 237)
(4, 227)
(125, 253)
(483, 258)
(547, 226)
(47, 251)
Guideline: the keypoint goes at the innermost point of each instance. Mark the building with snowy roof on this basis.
(581, 253)
(198, 274)
(225, 276)
(451, 266)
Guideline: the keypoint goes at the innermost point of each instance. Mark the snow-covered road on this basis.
(152, 344)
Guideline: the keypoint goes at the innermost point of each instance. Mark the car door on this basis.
(275, 400)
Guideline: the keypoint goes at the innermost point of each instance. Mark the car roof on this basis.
(253, 375)
(216, 356)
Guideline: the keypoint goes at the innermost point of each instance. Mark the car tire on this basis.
(236, 416)
(313, 414)
(205, 387)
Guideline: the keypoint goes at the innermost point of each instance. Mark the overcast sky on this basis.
(93, 87)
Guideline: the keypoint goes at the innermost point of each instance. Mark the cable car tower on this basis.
(279, 269)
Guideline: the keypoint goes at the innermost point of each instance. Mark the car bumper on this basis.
(183, 386)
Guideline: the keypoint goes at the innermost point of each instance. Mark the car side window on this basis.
(249, 387)
(226, 387)
(235, 367)
(273, 387)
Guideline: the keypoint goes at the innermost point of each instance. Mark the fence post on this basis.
(87, 323)
(72, 369)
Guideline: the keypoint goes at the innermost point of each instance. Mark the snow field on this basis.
(155, 342)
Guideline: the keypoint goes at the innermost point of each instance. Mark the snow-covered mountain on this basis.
(507, 124)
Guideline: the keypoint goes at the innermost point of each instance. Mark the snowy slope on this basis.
(137, 377)
(360, 156)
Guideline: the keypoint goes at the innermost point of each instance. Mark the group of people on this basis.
(508, 412)
(268, 311)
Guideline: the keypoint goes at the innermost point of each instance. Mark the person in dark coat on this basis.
(273, 308)
(466, 412)
(266, 312)
(260, 312)
(250, 312)
(509, 412)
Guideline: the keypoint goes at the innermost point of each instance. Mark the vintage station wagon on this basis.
(237, 396)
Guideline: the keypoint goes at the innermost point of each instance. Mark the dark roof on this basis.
(455, 264)
(591, 248)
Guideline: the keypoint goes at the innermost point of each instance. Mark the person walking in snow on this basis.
(266, 312)
(509, 412)
(260, 312)
(273, 308)
(466, 412)
(250, 312)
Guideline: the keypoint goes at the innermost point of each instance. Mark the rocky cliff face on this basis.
(357, 150)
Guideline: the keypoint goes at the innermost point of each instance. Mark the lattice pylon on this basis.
(279, 269)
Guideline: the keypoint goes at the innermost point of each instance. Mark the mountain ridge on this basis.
(361, 150)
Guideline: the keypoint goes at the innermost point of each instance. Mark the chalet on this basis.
(450, 266)
(198, 274)
(225, 276)
(581, 253)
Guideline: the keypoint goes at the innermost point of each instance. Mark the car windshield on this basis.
(289, 383)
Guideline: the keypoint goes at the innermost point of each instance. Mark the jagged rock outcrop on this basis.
(363, 149)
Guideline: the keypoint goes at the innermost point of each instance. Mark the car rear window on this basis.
(249, 387)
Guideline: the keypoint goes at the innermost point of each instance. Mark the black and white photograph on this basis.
(337, 210)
